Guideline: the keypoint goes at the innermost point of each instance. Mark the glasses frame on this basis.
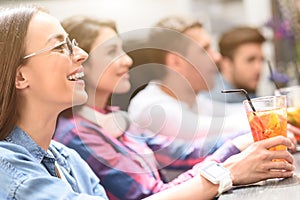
(70, 45)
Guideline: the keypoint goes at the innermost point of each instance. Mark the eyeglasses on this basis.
(69, 47)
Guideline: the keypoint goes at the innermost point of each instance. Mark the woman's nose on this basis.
(126, 60)
(79, 55)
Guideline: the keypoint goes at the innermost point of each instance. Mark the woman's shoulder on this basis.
(12, 151)
(17, 161)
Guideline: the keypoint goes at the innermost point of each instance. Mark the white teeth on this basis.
(75, 77)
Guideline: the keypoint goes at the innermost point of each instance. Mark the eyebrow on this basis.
(114, 42)
(58, 36)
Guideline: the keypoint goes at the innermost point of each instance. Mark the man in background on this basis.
(241, 64)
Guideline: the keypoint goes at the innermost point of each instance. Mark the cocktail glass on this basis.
(269, 118)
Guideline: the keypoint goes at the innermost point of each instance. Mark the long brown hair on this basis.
(86, 29)
(13, 28)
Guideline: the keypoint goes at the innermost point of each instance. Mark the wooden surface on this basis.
(281, 189)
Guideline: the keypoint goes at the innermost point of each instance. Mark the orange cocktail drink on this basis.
(269, 119)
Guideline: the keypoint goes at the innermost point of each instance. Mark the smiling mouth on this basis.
(76, 76)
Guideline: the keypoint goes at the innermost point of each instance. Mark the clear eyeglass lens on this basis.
(71, 45)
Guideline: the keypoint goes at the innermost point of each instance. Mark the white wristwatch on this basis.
(217, 174)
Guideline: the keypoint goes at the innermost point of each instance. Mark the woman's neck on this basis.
(98, 99)
(39, 124)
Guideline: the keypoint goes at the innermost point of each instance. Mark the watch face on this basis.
(217, 174)
(215, 170)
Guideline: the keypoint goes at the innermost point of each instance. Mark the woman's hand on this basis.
(256, 162)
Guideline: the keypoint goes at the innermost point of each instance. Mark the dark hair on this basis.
(79, 26)
(13, 28)
(232, 39)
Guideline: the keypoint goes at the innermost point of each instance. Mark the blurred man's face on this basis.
(246, 66)
(201, 60)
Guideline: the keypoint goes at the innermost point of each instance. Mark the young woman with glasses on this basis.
(41, 75)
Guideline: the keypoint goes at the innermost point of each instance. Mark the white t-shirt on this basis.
(153, 109)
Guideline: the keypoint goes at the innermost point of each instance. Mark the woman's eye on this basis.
(61, 48)
(112, 51)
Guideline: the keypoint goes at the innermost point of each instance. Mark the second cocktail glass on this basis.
(293, 105)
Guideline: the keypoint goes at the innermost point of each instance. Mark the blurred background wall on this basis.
(131, 14)
(216, 15)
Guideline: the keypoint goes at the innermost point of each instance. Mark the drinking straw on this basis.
(241, 91)
(272, 76)
(250, 103)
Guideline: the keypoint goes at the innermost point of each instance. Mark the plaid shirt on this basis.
(126, 166)
(174, 154)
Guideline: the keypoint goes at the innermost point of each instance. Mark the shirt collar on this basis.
(106, 110)
(19, 137)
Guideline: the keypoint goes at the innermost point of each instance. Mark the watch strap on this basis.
(224, 185)
(222, 179)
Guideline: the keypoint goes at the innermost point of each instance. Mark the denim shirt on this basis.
(28, 172)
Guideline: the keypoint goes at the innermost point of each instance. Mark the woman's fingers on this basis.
(279, 174)
(279, 165)
(291, 136)
(274, 141)
(284, 155)
(293, 129)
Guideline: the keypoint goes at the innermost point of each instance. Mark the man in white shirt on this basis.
(169, 106)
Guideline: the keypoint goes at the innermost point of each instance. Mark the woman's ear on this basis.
(21, 81)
